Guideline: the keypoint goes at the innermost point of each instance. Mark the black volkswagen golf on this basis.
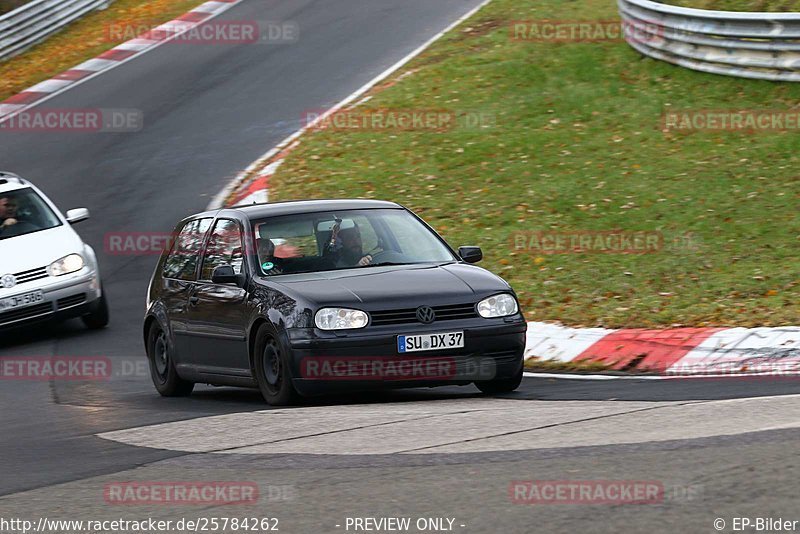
(306, 297)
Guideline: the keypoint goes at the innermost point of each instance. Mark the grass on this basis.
(85, 39)
(577, 145)
(776, 6)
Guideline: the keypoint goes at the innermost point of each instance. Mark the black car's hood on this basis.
(396, 286)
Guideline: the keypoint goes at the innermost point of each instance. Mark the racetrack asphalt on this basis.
(209, 111)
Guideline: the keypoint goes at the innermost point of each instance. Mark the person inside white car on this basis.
(23, 212)
(8, 216)
(8, 212)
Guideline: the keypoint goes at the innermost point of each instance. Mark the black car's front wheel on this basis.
(271, 362)
(162, 368)
(501, 385)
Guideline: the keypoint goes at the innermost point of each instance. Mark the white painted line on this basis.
(565, 376)
(112, 65)
(218, 201)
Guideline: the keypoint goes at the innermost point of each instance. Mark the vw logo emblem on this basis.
(8, 281)
(426, 315)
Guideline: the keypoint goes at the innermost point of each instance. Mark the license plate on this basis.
(420, 342)
(20, 301)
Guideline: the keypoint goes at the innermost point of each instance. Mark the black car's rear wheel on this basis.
(162, 369)
(273, 374)
(501, 385)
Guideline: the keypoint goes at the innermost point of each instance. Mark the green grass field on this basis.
(576, 144)
(739, 5)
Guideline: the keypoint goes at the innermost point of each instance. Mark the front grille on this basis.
(409, 315)
(72, 300)
(25, 313)
(30, 276)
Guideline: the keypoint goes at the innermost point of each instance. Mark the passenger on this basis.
(8, 213)
(270, 264)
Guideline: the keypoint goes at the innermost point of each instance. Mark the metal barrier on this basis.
(29, 24)
(749, 45)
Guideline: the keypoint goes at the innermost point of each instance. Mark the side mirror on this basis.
(224, 274)
(470, 254)
(77, 215)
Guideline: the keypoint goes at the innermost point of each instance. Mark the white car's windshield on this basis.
(329, 241)
(22, 212)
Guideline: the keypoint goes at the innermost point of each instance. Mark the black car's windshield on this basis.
(22, 211)
(327, 241)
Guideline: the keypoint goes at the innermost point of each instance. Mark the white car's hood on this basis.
(39, 249)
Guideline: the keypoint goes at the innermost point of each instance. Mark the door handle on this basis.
(193, 300)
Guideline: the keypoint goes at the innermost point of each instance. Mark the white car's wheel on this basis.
(99, 317)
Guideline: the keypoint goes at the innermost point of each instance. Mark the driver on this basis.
(352, 252)
(8, 213)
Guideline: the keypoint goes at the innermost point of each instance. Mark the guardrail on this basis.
(750, 45)
(29, 24)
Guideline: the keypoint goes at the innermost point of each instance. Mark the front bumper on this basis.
(72, 296)
(368, 359)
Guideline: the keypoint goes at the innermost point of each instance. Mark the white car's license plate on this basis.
(420, 342)
(20, 301)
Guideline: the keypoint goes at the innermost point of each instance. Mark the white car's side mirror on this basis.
(77, 215)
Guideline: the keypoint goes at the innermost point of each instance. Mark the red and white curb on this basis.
(671, 352)
(112, 58)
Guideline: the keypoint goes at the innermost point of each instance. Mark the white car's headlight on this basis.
(340, 319)
(66, 265)
(501, 305)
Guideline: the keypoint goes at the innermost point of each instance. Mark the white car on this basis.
(46, 270)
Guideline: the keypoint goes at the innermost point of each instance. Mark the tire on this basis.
(99, 317)
(501, 385)
(162, 368)
(272, 370)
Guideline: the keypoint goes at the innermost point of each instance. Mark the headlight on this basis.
(498, 306)
(66, 265)
(340, 319)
